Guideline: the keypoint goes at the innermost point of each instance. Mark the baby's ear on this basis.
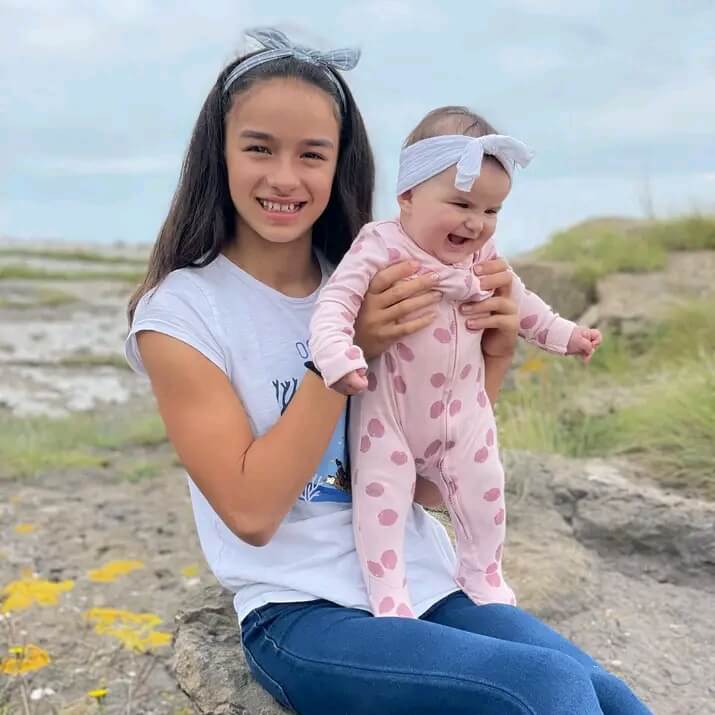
(404, 201)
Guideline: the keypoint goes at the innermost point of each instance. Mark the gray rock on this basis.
(557, 284)
(209, 663)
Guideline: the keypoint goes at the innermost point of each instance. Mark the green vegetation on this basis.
(597, 248)
(33, 445)
(651, 396)
(82, 360)
(19, 272)
(42, 298)
(83, 256)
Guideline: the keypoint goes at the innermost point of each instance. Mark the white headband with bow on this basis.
(427, 158)
(279, 46)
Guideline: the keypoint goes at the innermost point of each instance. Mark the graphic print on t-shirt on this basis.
(330, 482)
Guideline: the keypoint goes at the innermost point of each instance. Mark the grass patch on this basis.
(42, 298)
(82, 256)
(598, 248)
(42, 274)
(95, 361)
(33, 445)
(653, 398)
(140, 470)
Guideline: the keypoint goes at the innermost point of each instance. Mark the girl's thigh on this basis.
(318, 658)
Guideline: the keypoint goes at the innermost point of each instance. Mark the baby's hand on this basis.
(352, 383)
(583, 342)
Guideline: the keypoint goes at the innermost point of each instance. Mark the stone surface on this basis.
(619, 566)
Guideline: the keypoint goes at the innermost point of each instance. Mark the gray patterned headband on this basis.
(279, 46)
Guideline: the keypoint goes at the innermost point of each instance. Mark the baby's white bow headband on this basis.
(427, 158)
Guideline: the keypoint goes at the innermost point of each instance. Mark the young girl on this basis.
(276, 183)
(422, 408)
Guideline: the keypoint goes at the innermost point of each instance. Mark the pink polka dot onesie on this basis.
(424, 412)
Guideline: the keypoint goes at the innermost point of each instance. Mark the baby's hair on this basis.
(450, 120)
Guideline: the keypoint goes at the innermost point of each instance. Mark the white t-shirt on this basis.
(258, 337)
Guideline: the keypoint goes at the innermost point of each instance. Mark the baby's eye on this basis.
(461, 204)
(493, 211)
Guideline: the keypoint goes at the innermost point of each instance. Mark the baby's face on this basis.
(450, 224)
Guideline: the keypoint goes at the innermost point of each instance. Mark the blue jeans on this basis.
(317, 658)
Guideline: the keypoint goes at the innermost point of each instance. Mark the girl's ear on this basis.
(405, 201)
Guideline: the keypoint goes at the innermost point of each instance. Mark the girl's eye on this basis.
(258, 149)
(313, 155)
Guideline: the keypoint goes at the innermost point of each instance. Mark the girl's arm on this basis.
(251, 482)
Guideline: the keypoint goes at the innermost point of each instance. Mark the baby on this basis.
(421, 407)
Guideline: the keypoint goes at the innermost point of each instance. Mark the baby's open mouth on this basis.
(457, 240)
(282, 206)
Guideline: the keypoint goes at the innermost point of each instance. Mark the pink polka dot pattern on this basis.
(441, 335)
(356, 299)
(393, 255)
(387, 517)
(386, 605)
(375, 428)
(374, 489)
(492, 494)
(528, 322)
(542, 336)
(357, 246)
(437, 380)
(389, 559)
(347, 316)
(450, 444)
(348, 331)
(454, 407)
(465, 372)
(436, 410)
(490, 437)
(499, 552)
(371, 381)
(461, 581)
(419, 461)
(404, 353)
(365, 443)
(375, 569)
(481, 455)
(398, 458)
(499, 518)
(352, 353)
(479, 375)
(433, 448)
(404, 610)
(493, 567)
(482, 398)
(389, 362)
(493, 579)
(399, 385)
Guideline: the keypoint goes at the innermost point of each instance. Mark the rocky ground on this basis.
(99, 552)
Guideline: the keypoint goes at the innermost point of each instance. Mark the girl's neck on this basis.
(289, 268)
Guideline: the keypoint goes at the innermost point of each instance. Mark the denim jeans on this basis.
(318, 658)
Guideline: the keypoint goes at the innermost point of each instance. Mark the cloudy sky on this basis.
(617, 98)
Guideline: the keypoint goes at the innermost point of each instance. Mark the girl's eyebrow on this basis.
(266, 137)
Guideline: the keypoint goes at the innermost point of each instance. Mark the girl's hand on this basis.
(498, 315)
(397, 303)
(352, 383)
(583, 342)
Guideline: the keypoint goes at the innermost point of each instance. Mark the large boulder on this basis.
(582, 536)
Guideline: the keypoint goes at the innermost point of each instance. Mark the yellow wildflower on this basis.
(25, 592)
(23, 659)
(112, 570)
(134, 630)
(24, 528)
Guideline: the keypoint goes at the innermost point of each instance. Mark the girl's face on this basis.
(450, 224)
(281, 152)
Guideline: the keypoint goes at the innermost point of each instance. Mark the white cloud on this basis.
(393, 16)
(91, 166)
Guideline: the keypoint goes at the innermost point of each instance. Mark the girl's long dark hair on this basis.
(202, 219)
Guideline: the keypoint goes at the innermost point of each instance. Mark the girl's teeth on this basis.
(282, 208)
